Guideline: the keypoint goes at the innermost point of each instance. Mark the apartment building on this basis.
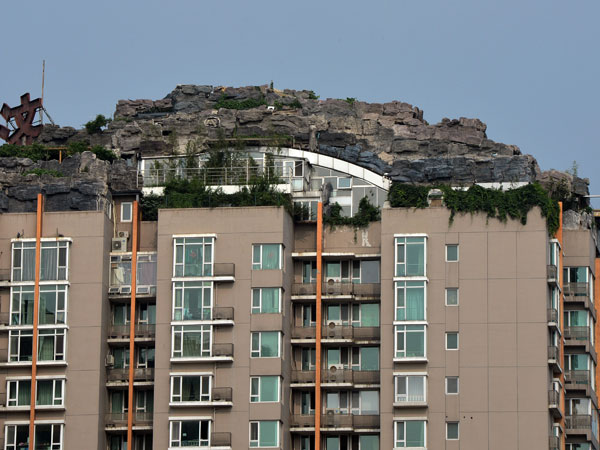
(231, 328)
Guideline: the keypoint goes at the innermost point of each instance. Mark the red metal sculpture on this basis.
(22, 120)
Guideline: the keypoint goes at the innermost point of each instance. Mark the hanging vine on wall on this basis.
(495, 203)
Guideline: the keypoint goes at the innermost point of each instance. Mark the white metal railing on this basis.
(239, 175)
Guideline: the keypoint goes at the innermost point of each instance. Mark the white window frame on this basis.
(258, 423)
(396, 420)
(180, 286)
(260, 263)
(252, 351)
(409, 358)
(181, 329)
(55, 382)
(396, 243)
(54, 425)
(18, 246)
(396, 307)
(58, 354)
(58, 244)
(457, 430)
(174, 395)
(457, 252)
(130, 206)
(176, 442)
(207, 241)
(255, 398)
(457, 386)
(448, 333)
(15, 352)
(12, 392)
(406, 376)
(258, 310)
(58, 288)
(18, 291)
(457, 296)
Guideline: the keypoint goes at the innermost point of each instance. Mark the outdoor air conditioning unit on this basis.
(331, 329)
(119, 244)
(330, 286)
(110, 361)
(123, 234)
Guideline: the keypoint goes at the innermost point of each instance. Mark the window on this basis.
(20, 345)
(190, 433)
(452, 252)
(53, 305)
(264, 389)
(190, 388)
(18, 393)
(410, 300)
(54, 256)
(145, 357)
(192, 300)
(265, 300)
(451, 296)
(309, 272)
(50, 392)
(410, 341)
(308, 358)
(306, 210)
(452, 430)
(264, 433)
(266, 256)
(23, 261)
(309, 315)
(51, 345)
(265, 344)
(47, 437)
(409, 388)
(126, 211)
(410, 256)
(192, 341)
(121, 355)
(451, 385)
(451, 341)
(344, 183)
(368, 442)
(409, 433)
(21, 307)
(194, 257)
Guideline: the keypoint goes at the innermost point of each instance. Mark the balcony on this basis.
(115, 420)
(358, 291)
(302, 421)
(223, 313)
(579, 293)
(578, 423)
(554, 443)
(554, 403)
(577, 380)
(222, 395)
(335, 331)
(304, 332)
(142, 331)
(335, 375)
(303, 376)
(553, 358)
(553, 317)
(222, 350)
(551, 272)
(580, 336)
(357, 421)
(220, 439)
(224, 270)
(139, 374)
(410, 401)
(143, 419)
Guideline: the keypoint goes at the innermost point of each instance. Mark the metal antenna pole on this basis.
(43, 76)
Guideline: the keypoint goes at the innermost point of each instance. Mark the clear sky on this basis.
(530, 69)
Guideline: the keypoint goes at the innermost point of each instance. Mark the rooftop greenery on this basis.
(39, 152)
(495, 203)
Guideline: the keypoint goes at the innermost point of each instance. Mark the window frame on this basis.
(57, 289)
(257, 396)
(257, 441)
(397, 237)
(453, 422)
(19, 291)
(12, 394)
(176, 443)
(258, 310)
(19, 246)
(180, 376)
(446, 391)
(180, 241)
(449, 333)
(406, 376)
(260, 333)
(53, 427)
(260, 263)
(457, 296)
(55, 383)
(203, 287)
(19, 334)
(130, 206)
(409, 358)
(396, 307)
(181, 329)
(397, 420)
(457, 253)
(58, 356)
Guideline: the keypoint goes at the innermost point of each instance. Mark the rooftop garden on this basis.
(39, 152)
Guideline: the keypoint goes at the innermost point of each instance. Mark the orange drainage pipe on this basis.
(561, 346)
(36, 296)
(134, 250)
(319, 325)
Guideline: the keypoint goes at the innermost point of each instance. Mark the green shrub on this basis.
(350, 100)
(95, 126)
(39, 172)
(313, 96)
(366, 214)
(408, 195)
(39, 152)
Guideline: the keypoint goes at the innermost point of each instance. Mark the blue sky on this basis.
(529, 69)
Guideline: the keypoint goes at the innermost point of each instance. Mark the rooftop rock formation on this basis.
(391, 138)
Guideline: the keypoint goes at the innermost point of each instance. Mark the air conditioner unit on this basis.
(331, 328)
(330, 412)
(123, 234)
(110, 361)
(335, 367)
(119, 245)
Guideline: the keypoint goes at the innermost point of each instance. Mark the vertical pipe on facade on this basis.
(560, 320)
(134, 250)
(36, 296)
(319, 325)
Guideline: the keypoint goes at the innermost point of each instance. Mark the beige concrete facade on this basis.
(501, 322)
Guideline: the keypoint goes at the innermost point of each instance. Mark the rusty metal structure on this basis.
(22, 127)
